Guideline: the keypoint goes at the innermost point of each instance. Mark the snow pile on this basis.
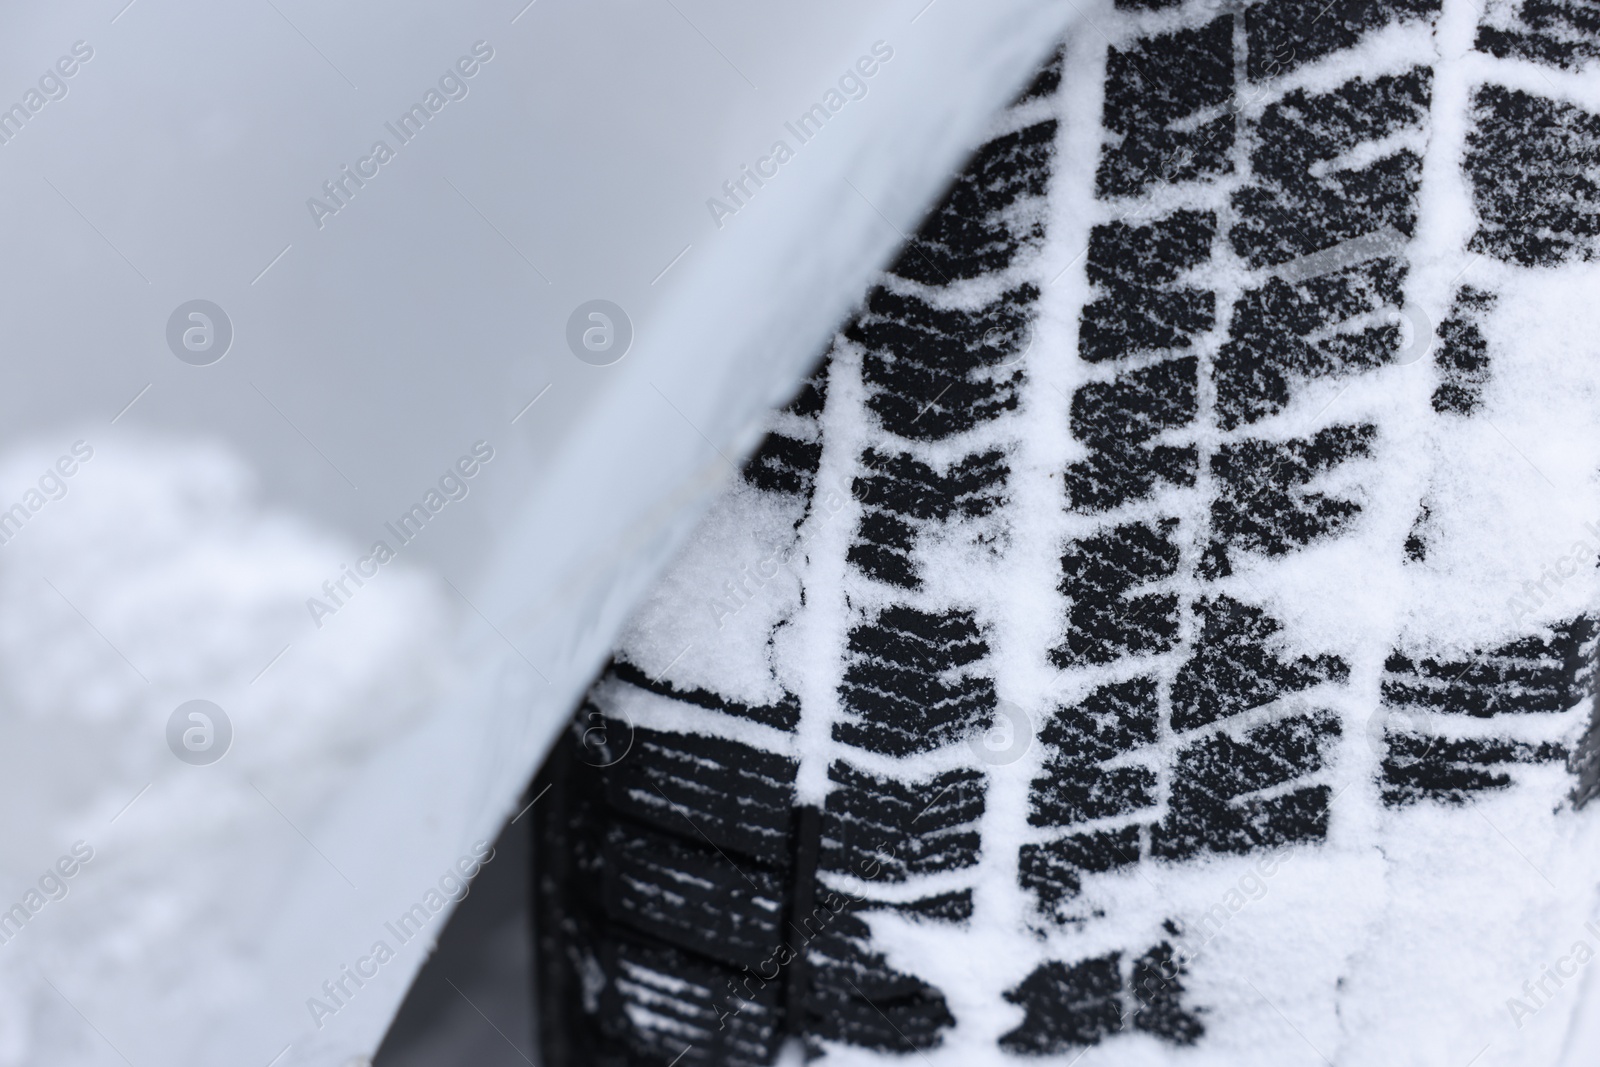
(157, 578)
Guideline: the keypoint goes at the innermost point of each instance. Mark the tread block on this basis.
(737, 797)
(1262, 505)
(786, 462)
(976, 229)
(934, 372)
(1158, 986)
(1285, 34)
(1211, 808)
(1235, 666)
(1116, 419)
(1067, 1006)
(670, 1004)
(883, 549)
(903, 494)
(1072, 793)
(690, 894)
(1111, 722)
(1138, 404)
(784, 465)
(1104, 623)
(1154, 254)
(1283, 334)
(1559, 33)
(1140, 304)
(1132, 319)
(1122, 474)
(1203, 824)
(1151, 89)
(614, 896)
(1419, 536)
(1462, 355)
(1072, 1006)
(953, 907)
(1531, 163)
(1295, 205)
(1532, 675)
(891, 829)
(907, 486)
(1053, 872)
(912, 684)
(1418, 767)
(1269, 755)
(857, 998)
(1048, 81)
(783, 714)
